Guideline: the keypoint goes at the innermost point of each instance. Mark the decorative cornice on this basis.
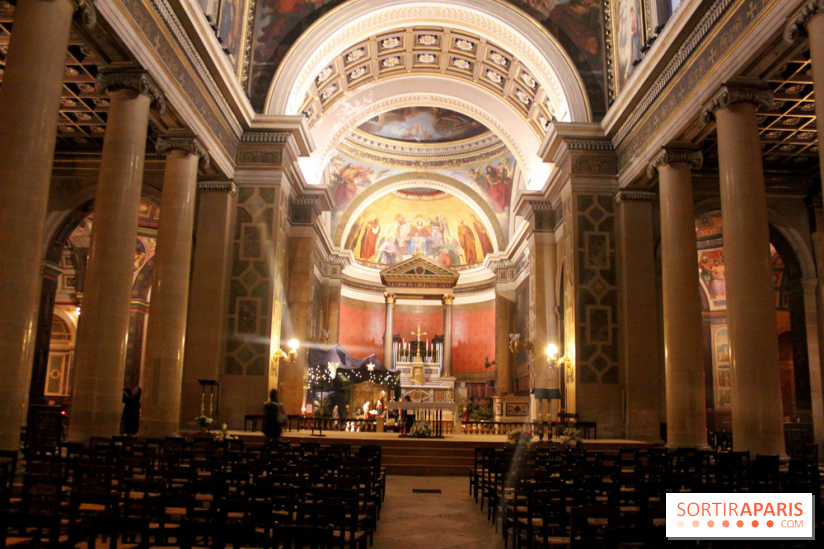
(190, 145)
(218, 186)
(265, 137)
(7, 6)
(797, 24)
(737, 90)
(633, 196)
(85, 12)
(695, 38)
(589, 145)
(676, 155)
(135, 79)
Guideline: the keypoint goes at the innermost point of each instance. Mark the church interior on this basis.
(500, 217)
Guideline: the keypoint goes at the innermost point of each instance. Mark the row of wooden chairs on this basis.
(187, 493)
(551, 496)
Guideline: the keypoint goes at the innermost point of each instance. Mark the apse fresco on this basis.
(494, 181)
(423, 125)
(348, 177)
(401, 224)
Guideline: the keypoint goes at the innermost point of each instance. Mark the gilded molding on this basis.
(737, 90)
(222, 187)
(137, 80)
(693, 157)
(448, 299)
(797, 25)
(389, 298)
(85, 11)
(633, 196)
(190, 145)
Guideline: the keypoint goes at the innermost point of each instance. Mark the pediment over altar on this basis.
(419, 272)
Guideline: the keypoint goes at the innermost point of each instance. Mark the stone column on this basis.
(166, 332)
(104, 326)
(448, 300)
(757, 415)
(639, 333)
(810, 19)
(32, 85)
(388, 359)
(208, 293)
(683, 338)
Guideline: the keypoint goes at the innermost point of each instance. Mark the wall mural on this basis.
(629, 32)
(494, 180)
(348, 178)
(578, 25)
(423, 125)
(401, 224)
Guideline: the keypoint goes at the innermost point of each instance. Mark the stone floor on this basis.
(450, 519)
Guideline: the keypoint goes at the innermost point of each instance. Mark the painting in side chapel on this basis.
(399, 225)
(712, 277)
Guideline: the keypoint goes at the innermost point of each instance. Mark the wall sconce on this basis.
(293, 351)
(560, 362)
(516, 345)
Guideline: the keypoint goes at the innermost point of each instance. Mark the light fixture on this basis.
(293, 345)
(370, 366)
(516, 345)
(333, 368)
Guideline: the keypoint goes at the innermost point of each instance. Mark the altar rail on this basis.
(587, 430)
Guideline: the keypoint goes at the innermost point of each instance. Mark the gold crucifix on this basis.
(418, 346)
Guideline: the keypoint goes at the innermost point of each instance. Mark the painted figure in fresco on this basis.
(483, 236)
(346, 180)
(389, 251)
(718, 285)
(420, 238)
(403, 231)
(352, 239)
(705, 270)
(369, 240)
(497, 186)
(437, 233)
(635, 34)
(579, 25)
(467, 241)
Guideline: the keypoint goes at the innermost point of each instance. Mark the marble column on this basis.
(639, 333)
(388, 359)
(757, 414)
(810, 19)
(103, 330)
(166, 332)
(683, 337)
(29, 106)
(208, 292)
(448, 300)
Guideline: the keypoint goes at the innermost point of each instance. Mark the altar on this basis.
(421, 369)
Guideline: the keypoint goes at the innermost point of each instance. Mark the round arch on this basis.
(433, 181)
(497, 21)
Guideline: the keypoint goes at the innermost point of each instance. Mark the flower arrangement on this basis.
(520, 435)
(204, 421)
(420, 429)
(570, 437)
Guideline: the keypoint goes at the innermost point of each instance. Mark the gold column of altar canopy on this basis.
(757, 415)
(388, 357)
(166, 332)
(683, 337)
(29, 105)
(447, 334)
(103, 331)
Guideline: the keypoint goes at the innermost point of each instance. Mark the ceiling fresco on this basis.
(577, 24)
(423, 125)
(398, 225)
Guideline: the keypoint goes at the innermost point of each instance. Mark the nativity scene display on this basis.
(419, 221)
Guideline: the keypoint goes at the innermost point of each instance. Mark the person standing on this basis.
(273, 418)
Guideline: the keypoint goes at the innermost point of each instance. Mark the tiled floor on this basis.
(450, 519)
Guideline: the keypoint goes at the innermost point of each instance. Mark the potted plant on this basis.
(204, 422)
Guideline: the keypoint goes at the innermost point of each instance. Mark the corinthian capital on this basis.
(797, 25)
(737, 90)
(132, 79)
(676, 155)
(85, 12)
(190, 145)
